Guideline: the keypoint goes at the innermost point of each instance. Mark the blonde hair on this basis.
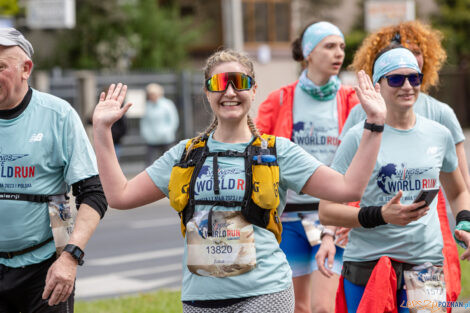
(215, 59)
(155, 89)
(411, 33)
(228, 55)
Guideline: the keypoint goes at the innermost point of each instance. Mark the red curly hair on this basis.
(412, 33)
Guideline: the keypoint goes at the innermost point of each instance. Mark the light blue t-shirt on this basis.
(272, 272)
(315, 129)
(159, 124)
(408, 160)
(43, 151)
(426, 106)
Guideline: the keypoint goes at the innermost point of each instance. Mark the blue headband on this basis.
(392, 60)
(315, 33)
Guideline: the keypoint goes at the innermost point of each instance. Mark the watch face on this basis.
(77, 254)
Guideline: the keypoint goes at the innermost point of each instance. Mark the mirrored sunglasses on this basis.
(219, 82)
(397, 80)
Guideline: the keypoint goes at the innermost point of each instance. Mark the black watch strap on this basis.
(75, 252)
(373, 127)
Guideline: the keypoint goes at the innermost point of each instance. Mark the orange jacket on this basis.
(275, 115)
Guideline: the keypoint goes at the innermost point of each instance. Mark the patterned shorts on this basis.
(278, 302)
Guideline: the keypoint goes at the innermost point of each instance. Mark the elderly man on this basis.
(43, 151)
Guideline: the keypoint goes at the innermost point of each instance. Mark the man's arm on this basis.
(60, 278)
(91, 205)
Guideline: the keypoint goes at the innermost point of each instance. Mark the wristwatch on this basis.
(75, 252)
(327, 231)
(373, 127)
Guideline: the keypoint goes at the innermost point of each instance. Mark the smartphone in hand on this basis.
(426, 195)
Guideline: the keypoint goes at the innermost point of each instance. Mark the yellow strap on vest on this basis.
(265, 186)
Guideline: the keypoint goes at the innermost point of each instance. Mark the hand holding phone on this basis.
(426, 195)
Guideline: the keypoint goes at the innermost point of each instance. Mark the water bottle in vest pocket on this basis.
(62, 220)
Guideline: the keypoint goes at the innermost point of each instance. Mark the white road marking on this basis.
(106, 285)
(169, 221)
(133, 257)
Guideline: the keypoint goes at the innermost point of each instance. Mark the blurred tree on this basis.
(160, 36)
(356, 35)
(9, 7)
(98, 40)
(453, 19)
(117, 34)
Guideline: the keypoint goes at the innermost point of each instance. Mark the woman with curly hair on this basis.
(311, 112)
(425, 43)
(393, 261)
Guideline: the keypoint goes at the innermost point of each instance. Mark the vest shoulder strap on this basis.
(196, 150)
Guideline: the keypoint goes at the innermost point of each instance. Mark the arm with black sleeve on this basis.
(90, 191)
(91, 204)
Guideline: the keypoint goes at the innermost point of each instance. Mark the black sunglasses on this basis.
(397, 80)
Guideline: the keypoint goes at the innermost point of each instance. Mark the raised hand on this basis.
(371, 99)
(109, 110)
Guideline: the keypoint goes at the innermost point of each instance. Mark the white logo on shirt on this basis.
(36, 137)
(432, 150)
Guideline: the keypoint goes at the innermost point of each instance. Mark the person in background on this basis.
(311, 112)
(159, 124)
(44, 152)
(228, 185)
(425, 43)
(394, 259)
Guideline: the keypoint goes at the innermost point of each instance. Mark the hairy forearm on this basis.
(85, 224)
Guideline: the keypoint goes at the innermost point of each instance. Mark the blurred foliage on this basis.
(355, 37)
(160, 35)
(453, 19)
(9, 7)
(121, 35)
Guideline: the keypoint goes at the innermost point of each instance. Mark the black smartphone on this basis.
(426, 195)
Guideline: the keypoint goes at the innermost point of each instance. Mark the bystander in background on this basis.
(159, 124)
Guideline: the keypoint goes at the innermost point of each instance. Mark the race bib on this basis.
(425, 285)
(312, 228)
(220, 244)
(62, 221)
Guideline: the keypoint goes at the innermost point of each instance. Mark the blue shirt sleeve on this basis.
(450, 161)
(160, 170)
(81, 159)
(295, 164)
(356, 116)
(347, 149)
(440, 112)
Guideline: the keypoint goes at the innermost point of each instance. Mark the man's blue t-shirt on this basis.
(272, 272)
(408, 160)
(43, 151)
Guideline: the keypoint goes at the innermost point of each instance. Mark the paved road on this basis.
(132, 251)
